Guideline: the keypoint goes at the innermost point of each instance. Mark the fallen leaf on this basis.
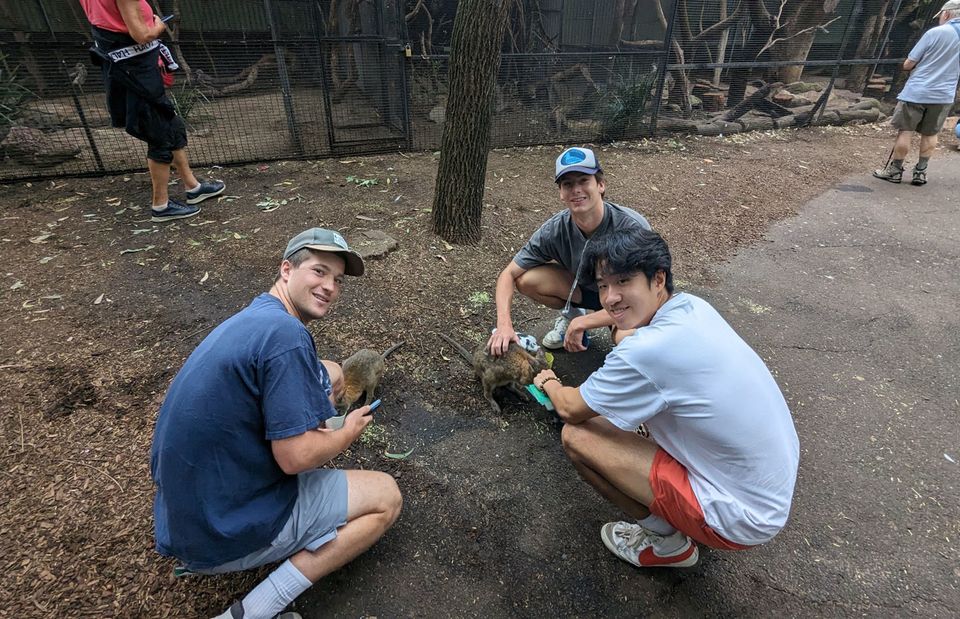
(137, 249)
(441, 257)
(41, 238)
(46, 259)
(402, 456)
(447, 246)
(99, 299)
(206, 274)
(16, 284)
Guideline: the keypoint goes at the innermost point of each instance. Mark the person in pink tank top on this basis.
(126, 34)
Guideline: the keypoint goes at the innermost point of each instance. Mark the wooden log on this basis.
(862, 115)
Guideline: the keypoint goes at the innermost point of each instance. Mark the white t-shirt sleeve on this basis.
(622, 393)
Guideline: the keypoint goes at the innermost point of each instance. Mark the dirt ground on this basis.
(100, 307)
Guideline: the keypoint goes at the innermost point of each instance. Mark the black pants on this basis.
(137, 101)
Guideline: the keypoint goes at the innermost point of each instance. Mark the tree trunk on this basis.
(475, 44)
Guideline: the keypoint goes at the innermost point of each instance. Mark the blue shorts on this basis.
(320, 510)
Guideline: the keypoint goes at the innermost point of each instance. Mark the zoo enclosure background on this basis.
(274, 79)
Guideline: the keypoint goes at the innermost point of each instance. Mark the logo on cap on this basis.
(573, 156)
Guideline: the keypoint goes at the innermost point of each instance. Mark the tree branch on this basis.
(773, 41)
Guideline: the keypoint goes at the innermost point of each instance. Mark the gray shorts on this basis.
(320, 510)
(924, 118)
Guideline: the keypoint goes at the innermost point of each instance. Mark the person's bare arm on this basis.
(503, 296)
(568, 402)
(315, 448)
(573, 340)
(140, 31)
(908, 65)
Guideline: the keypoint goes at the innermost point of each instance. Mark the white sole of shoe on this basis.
(173, 217)
(204, 196)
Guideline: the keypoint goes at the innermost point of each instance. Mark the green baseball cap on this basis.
(321, 239)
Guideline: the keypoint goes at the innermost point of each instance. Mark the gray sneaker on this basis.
(919, 176)
(891, 173)
(174, 210)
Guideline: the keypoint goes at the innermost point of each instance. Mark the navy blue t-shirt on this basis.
(220, 493)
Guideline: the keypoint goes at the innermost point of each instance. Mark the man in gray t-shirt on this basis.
(545, 269)
(928, 95)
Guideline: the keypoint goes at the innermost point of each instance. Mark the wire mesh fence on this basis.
(271, 79)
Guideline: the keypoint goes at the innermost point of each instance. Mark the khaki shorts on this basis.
(924, 118)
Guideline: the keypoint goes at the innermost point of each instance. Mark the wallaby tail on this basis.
(460, 349)
(391, 349)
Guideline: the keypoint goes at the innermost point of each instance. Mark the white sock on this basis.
(159, 207)
(271, 596)
(192, 188)
(657, 524)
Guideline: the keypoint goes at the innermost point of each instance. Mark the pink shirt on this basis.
(105, 14)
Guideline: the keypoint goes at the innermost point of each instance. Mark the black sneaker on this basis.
(919, 176)
(207, 189)
(174, 210)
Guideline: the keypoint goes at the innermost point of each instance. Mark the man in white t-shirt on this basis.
(683, 427)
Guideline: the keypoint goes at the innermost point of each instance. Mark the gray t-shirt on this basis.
(937, 54)
(561, 241)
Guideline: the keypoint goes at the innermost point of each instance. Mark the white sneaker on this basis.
(554, 338)
(644, 548)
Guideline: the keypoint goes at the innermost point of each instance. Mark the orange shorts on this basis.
(675, 502)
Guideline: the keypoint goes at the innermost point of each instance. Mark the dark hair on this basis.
(599, 178)
(627, 252)
(296, 259)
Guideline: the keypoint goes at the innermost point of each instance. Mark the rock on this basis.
(33, 147)
(438, 114)
(373, 244)
(783, 98)
(798, 88)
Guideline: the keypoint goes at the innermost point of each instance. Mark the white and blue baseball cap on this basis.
(576, 160)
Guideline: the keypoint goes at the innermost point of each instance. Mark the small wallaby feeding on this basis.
(362, 372)
(513, 370)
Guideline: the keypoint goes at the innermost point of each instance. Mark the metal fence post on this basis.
(662, 69)
(886, 38)
(73, 92)
(284, 81)
(855, 10)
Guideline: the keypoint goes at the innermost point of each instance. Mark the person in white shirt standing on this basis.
(928, 96)
(683, 427)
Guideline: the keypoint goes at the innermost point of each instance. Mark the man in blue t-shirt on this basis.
(242, 433)
(928, 96)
